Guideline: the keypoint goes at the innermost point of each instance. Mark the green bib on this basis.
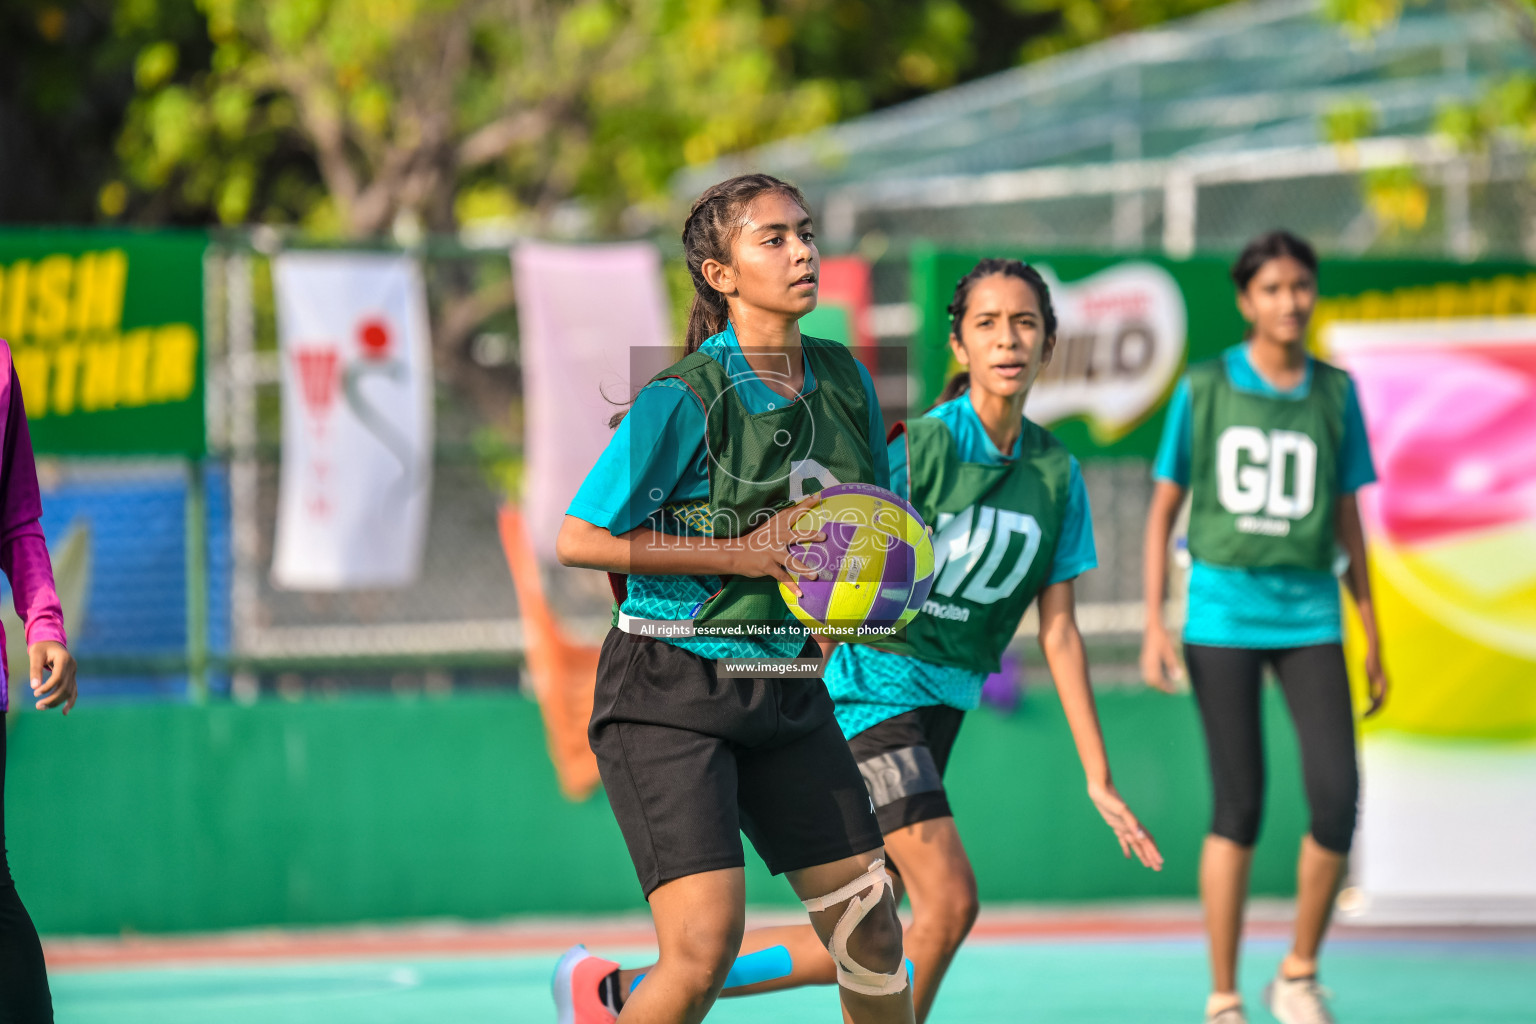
(995, 533)
(1264, 471)
(762, 462)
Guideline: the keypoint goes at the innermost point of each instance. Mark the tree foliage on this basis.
(425, 110)
(350, 117)
(66, 78)
(1506, 110)
(1078, 22)
(361, 119)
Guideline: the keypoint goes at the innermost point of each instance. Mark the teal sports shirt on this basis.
(657, 457)
(1261, 608)
(869, 686)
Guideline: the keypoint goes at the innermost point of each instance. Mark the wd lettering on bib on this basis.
(1264, 471)
(995, 531)
(957, 547)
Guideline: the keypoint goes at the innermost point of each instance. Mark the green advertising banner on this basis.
(106, 334)
(1129, 324)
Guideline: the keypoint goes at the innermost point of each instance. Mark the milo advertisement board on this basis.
(1126, 328)
(106, 336)
(1129, 325)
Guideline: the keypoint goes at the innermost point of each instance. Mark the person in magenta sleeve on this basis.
(24, 997)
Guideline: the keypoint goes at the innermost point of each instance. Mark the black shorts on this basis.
(903, 759)
(690, 760)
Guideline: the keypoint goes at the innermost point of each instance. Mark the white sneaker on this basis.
(1298, 1000)
(1231, 1015)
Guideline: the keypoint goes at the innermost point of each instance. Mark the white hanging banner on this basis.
(357, 421)
(581, 356)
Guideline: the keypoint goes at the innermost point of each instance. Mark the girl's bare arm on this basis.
(1159, 662)
(1062, 644)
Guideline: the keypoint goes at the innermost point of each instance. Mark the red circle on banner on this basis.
(373, 335)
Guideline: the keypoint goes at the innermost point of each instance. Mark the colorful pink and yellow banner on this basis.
(1447, 831)
(1450, 407)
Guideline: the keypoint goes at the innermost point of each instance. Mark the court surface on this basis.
(1083, 968)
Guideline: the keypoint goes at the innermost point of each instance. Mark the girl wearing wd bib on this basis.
(692, 502)
(1271, 447)
(1009, 528)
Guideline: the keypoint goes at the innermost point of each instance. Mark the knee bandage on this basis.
(863, 895)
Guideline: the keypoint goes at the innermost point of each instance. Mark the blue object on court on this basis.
(765, 965)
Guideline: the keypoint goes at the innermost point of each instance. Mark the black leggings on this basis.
(1227, 683)
(24, 997)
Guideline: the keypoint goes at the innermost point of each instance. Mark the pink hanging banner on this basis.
(581, 310)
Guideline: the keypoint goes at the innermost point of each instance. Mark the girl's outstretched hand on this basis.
(1159, 662)
(1376, 680)
(1130, 832)
(765, 551)
(58, 687)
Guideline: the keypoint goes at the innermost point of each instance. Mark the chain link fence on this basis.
(458, 623)
(1394, 196)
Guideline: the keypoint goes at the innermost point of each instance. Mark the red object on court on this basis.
(577, 977)
(562, 673)
(374, 337)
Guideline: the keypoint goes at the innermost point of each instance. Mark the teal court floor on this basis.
(1401, 977)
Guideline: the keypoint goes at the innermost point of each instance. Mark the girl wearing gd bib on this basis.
(1271, 447)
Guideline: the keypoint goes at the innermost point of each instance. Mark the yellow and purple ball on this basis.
(874, 570)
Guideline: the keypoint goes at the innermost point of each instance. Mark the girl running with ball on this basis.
(692, 503)
(1012, 526)
(1270, 446)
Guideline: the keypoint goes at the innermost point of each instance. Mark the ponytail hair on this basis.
(709, 232)
(960, 383)
(956, 386)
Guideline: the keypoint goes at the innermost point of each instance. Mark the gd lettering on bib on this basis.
(1264, 471)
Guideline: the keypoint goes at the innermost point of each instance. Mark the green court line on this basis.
(1086, 982)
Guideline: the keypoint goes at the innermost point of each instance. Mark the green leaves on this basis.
(345, 115)
(1398, 197)
(1349, 121)
(1079, 22)
(156, 63)
(1507, 108)
(1363, 18)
